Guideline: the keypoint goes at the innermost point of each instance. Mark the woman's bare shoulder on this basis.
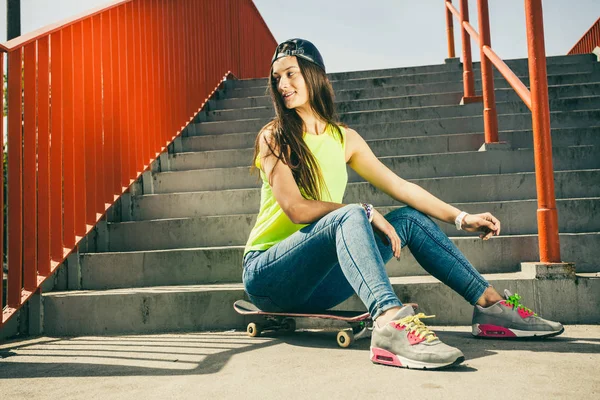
(267, 134)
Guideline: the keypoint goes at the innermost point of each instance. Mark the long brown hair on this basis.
(287, 130)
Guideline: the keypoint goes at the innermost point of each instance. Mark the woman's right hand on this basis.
(386, 232)
(485, 222)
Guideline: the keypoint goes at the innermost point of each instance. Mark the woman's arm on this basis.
(366, 164)
(298, 209)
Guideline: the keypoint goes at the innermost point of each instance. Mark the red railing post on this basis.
(468, 80)
(490, 116)
(450, 32)
(542, 142)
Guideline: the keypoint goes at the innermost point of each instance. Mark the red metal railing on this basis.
(589, 41)
(101, 96)
(536, 100)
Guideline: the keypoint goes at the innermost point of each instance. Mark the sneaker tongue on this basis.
(507, 294)
(404, 312)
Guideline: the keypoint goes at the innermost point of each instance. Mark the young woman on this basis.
(309, 252)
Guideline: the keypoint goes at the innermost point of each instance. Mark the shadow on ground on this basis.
(208, 353)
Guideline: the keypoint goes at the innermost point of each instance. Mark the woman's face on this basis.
(290, 82)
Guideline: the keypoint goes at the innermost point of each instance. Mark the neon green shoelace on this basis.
(514, 301)
(414, 324)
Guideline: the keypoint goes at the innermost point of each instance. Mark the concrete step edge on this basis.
(415, 96)
(458, 71)
(257, 189)
(448, 136)
(382, 207)
(385, 157)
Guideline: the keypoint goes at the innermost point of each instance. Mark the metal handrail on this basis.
(589, 41)
(93, 100)
(536, 100)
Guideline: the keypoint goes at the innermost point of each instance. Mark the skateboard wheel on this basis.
(345, 338)
(253, 329)
(288, 325)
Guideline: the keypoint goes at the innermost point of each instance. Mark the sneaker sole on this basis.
(384, 357)
(499, 332)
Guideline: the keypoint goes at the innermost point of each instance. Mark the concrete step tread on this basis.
(419, 125)
(458, 72)
(420, 85)
(449, 136)
(399, 157)
(160, 290)
(163, 251)
(553, 104)
(418, 181)
(188, 140)
(241, 247)
(156, 290)
(380, 206)
(550, 60)
(551, 88)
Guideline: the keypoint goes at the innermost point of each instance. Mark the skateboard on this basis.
(360, 322)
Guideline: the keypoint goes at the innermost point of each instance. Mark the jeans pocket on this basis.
(264, 303)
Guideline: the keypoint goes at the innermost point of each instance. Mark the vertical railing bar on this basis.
(124, 131)
(172, 72)
(134, 99)
(196, 101)
(29, 168)
(184, 64)
(450, 32)
(165, 103)
(547, 214)
(88, 150)
(188, 59)
(43, 158)
(193, 59)
(109, 149)
(159, 78)
(180, 97)
(490, 117)
(147, 117)
(68, 132)
(142, 119)
(181, 65)
(15, 182)
(99, 166)
(80, 76)
(468, 79)
(118, 109)
(149, 50)
(56, 168)
(202, 52)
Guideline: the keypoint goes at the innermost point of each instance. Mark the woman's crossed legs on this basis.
(327, 261)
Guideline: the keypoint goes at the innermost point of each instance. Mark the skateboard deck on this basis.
(360, 322)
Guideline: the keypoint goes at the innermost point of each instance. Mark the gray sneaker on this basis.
(407, 342)
(509, 318)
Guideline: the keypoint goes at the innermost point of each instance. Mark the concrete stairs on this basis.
(169, 257)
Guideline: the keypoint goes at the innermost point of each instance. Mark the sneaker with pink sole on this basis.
(508, 318)
(406, 342)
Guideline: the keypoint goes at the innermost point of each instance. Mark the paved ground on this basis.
(305, 365)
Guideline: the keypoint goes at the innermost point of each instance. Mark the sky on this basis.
(358, 34)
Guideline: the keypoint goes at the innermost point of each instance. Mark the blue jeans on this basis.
(328, 261)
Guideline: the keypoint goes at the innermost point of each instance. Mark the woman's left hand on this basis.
(486, 223)
(386, 233)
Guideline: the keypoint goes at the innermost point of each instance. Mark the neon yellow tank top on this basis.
(272, 225)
